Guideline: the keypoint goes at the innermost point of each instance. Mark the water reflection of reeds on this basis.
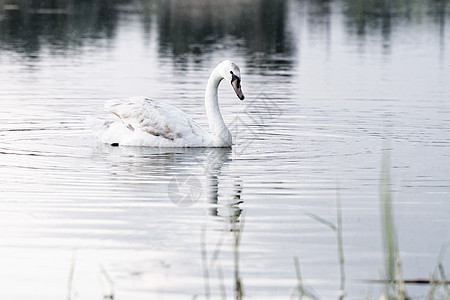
(185, 28)
(194, 26)
(27, 27)
(364, 16)
(191, 29)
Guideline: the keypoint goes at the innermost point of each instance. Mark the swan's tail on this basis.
(100, 128)
(96, 125)
(108, 132)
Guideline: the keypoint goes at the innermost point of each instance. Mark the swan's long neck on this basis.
(216, 124)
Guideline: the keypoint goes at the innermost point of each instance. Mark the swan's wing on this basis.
(154, 117)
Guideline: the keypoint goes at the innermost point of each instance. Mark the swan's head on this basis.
(231, 73)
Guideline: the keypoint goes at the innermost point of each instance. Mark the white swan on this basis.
(147, 122)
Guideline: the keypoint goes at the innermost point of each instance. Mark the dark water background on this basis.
(329, 85)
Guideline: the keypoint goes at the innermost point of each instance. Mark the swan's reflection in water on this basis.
(153, 168)
(215, 161)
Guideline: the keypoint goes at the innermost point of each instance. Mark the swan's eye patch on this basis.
(234, 77)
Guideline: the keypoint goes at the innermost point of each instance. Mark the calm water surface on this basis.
(329, 89)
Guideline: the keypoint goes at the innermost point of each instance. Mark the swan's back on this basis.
(147, 122)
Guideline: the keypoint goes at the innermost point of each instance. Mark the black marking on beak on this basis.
(233, 78)
(236, 83)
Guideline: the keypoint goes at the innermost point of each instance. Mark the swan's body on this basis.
(147, 122)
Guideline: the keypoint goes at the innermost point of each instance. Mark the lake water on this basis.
(331, 88)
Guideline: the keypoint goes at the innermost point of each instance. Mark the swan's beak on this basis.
(236, 83)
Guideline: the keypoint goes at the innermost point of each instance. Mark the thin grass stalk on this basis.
(340, 245)
(400, 289)
(387, 221)
(71, 275)
(299, 278)
(239, 292)
(217, 249)
(302, 291)
(432, 288)
(340, 248)
(434, 275)
(223, 292)
(108, 278)
(444, 279)
(205, 263)
(395, 286)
